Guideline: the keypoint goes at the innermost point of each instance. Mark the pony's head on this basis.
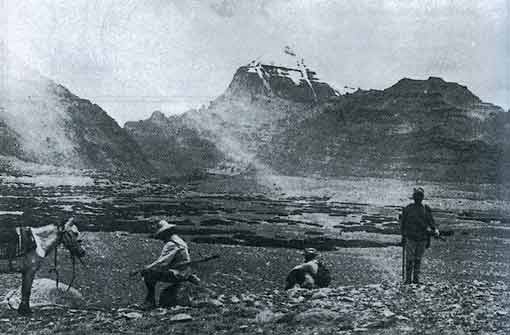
(70, 236)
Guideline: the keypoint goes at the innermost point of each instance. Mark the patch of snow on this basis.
(304, 72)
(11, 213)
(49, 180)
(294, 75)
(257, 68)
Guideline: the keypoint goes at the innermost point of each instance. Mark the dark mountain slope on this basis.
(415, 129)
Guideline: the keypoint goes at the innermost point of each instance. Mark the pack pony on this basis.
(47, 239)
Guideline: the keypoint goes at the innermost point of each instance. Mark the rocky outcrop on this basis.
(44, 122)
(173, 145)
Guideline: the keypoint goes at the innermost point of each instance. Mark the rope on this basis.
(56, 268)
(73, 260)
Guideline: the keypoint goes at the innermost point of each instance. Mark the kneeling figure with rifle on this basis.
(173, 266)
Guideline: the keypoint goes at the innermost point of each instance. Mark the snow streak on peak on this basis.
(286, 65)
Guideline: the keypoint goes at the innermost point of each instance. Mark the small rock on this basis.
(267, 316)
(321, 293)
(297, 300)
(214, 302)
(235, 300)
(317, 316)
(401, 317)
(132, 315)
(181, 317)
(387, 313)
(349, 299)
(159, 311)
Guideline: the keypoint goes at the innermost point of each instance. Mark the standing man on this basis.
(417, 225)
(167, 267)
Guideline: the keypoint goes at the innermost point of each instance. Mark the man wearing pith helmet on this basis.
(166, 267)
(417, 225)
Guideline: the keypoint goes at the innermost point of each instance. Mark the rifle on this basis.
(403, 260)
(436, 237)
(179, 265)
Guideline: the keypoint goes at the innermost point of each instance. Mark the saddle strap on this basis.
(26, 240)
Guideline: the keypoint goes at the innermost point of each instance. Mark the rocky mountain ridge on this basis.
(272, 119)
(173, 145)
(43, 122)
(414, 129)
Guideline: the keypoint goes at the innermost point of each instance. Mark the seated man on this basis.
(167, 268)
(311, 274)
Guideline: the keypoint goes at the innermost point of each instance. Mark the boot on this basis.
(416, 272)
(409, 272)
(168, 296)
(24, 309)
(148, 305)
(150, 301)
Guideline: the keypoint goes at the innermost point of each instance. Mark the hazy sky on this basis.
(132, 57)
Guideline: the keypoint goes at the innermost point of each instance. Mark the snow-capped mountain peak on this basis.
(288, 78)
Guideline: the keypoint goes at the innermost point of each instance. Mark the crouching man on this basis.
(310, 274)
(169, 268)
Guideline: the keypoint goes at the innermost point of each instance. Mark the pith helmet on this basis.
(163, 226)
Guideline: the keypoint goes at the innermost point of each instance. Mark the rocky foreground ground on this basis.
(466, 292)
(478, 307)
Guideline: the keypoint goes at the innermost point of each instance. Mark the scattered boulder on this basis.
(45, 292)
(267, 316)
(316, 316)
(132, 315)
(181, 317)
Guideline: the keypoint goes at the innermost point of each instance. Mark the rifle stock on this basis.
(180, 265)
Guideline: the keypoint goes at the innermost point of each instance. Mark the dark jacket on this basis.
(416, 222)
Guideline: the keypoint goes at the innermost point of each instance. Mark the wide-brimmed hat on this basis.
(163, 226)
(310, 252)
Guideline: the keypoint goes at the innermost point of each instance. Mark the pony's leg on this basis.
(30, 267)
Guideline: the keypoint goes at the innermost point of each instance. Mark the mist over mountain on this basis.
(278, 119)
(262, 100)
(43, 122)
(272, 118)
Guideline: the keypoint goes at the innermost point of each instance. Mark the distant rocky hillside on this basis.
(429, 129)
(43, 122)
(173, 145)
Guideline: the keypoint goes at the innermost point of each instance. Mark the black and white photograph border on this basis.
(254, 167)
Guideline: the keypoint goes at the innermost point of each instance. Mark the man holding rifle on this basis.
(173, 266)
(417, 225)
